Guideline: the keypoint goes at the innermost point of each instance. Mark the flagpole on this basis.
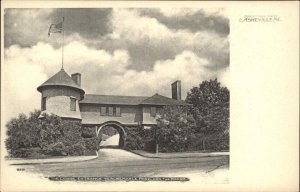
(62, 48)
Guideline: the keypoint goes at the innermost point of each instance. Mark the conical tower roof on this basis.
(61, 79)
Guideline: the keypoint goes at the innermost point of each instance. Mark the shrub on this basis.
(21, 153)
(76, 149)
(33, 137)
(217, 144)
(92, 144)
(88, 132)
(108, 130)
(68, 140)
(134, 139)
(56, 149)
(174, 128)
(195, 143)
(139, 139)
(50, 131)
(23, 134)
(71, 132)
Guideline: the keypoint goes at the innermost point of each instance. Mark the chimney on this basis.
(77, 78)
(176, 90)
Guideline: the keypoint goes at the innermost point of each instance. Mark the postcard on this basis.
(149, 96)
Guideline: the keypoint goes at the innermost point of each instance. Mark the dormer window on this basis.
(72, 103)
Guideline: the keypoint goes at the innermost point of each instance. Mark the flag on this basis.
(55, 28)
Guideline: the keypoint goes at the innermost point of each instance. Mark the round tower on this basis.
(61, 95)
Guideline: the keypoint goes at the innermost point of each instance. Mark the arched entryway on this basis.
(118, 127)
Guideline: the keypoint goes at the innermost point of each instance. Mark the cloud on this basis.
(136, 28)
(147, 34)
(186, 66)
(224, 77)
(192, 19)
(17, 31)
(20, 80)
(89, 23)
(148, 40)
(184, 12)
(178, 12)
(221, 12)
(26, 27)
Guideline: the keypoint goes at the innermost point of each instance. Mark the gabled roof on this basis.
(162, 100)
(112, 99)
(60, 79)
(130, 100)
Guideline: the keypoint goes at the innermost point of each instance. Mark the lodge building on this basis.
(62, 95)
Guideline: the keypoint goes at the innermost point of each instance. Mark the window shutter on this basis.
(44, 99)
(110, 111)
(103, 111)
(153, 111)
(72, 104)
(118, 111)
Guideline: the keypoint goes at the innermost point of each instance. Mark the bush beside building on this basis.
(32, 137)
(140, 139)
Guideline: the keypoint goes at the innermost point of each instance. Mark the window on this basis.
(72, 104)
(44, 103)
(103, 111)
(153, 111)
(110, 111)
(118, 111)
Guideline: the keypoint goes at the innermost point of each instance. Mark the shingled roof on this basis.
(112, 99)
(130, 100)
(60, 79)
(162, 100)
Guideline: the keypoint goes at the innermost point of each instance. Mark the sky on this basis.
(118, 51)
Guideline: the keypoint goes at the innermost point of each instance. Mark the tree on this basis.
(210, 107)
(174, 128)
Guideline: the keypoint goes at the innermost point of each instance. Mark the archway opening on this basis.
(111, 136)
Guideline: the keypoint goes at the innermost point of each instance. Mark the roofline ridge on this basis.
(148, 98)
(144, 102)
(118, 95)
(41, 86)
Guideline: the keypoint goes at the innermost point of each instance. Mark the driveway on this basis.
(121, 163)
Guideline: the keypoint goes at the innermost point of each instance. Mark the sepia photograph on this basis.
(149, 96)
(126, 92)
